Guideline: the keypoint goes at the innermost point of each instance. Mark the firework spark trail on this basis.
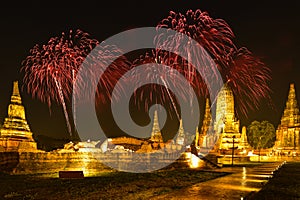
(60, 57)
(164, 94)
(171, 98)
(168, 59)
(246, 74)
(215, 35)
(96, 63)
(63, 104)
(74, 99)
(159, 60)
(249, 79)
(63, 57)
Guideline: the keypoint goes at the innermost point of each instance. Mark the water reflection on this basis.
(237, 185)
(244, 175)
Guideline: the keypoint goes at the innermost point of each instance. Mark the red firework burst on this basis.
(214, 35)
(50, 69)
(247, 75)
(249, 79)
(112, 73)
(154, 93)
(162, 93)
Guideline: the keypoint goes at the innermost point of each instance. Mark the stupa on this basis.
(206, 138)
(287, 133)
(156, 133)
(15, 133)
(180, 139)
(244, 138)
(226, 124)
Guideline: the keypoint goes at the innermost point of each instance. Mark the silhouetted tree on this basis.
(261, 135)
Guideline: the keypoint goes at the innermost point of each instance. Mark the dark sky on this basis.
(270, 30)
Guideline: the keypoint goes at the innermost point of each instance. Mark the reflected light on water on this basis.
(244, 175)
(238, 187)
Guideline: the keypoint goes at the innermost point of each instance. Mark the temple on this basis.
(287, 133)
(15, 134)
(155, 142)
(244, 140)
(206, 137)
(180, 139)
(156, 134)
(226, 125)
(224, 132)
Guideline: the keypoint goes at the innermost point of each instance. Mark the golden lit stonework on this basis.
(287, 133)
(154, 143)
(156, 134)
(222, 133)
(180, 139)
(206, 137)
(226, 125)
(15, 134)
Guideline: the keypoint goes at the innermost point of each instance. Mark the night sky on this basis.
(270, 30)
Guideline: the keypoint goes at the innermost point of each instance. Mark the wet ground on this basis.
(252, 181)
(242, 182)
(284, 185)
(109, 185)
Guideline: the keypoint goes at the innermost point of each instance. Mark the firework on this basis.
(249, 79)
(215, 38)
(50, 69)
(247, 75)
(98, 61)
(214, 35)
(154, 93)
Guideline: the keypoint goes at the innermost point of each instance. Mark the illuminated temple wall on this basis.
(19, 153)
(89, 163)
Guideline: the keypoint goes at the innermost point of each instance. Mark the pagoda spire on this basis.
(287, 133)
(224, 108)
(181, 130)
(244, 139)
(291, 114)
(226, 126)
(16, 89)
(156, 134)
(15, 123)
(16, 97)
(15, 133)
(207, 118)
(180, 135)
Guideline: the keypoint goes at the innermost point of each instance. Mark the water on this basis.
(237, 185)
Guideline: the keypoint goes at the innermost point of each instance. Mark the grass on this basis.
(284, 185)
(113, 185)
